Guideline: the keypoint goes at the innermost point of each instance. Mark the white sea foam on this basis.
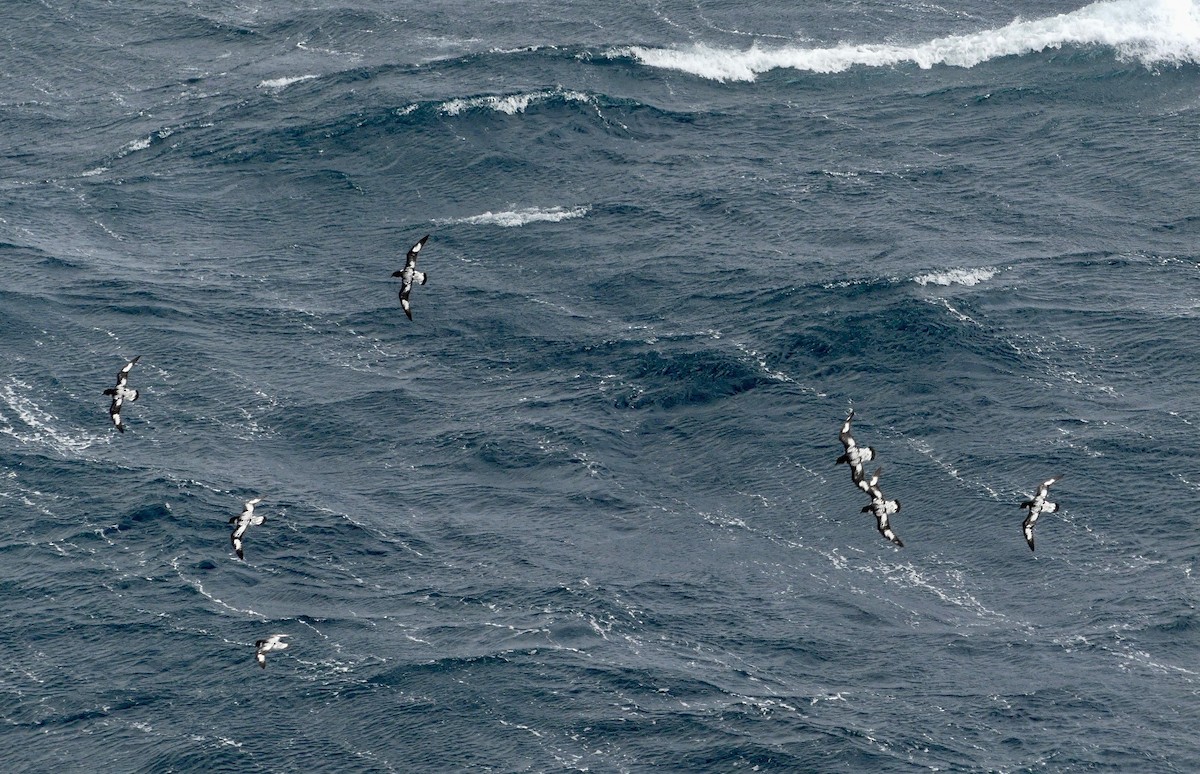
(143, 143)
(277, 84)
(509, 103)
(43, 427)
(1153, 32)
(966, 277)
(135, 145)
(511, 218)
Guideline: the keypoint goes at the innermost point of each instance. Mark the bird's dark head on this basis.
(398, 273)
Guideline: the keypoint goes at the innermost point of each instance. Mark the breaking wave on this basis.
(1154, 33)
(511, 218)
(966, 277)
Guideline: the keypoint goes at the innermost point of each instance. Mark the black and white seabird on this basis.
(121, 393)
(883, 509)
(1037, 506)
(409, 275)
(263, 647)
(246, 520)
(880, 506)
(855, 455)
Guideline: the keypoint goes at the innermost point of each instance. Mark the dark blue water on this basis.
(581, 513)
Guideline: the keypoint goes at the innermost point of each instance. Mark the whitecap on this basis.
(142, 143)
(135, 145)
(509, 103)
(1153, 32)
(968, 277)
(511, 218)
(278, 84)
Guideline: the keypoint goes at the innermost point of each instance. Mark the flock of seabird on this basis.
(122, 393)
(882, 508)
(855, 457)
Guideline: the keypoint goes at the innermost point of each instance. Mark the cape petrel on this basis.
(883, 509)
(246, 520)
(263, 647)
(121, 393)
(1037, 506)
(409, 275)
(855, 455)
(880, 506)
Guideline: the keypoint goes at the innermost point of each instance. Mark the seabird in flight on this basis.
(880, 506)
(409, 275)
(855, 455)
(263, 647)
(121, 393)
(244, 522)
(1037, 506)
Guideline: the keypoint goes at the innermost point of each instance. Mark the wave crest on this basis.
(966, 277)
(510, 103)
(1153, 32)
(279, 84)
(511, 218)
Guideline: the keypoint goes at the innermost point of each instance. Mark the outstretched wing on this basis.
(405, 291)
(114, 412)
(884, 526)
(887, 532)
(410, 260)
(1044, 488)
(123, 374)
(844, 434)
(1027, 527)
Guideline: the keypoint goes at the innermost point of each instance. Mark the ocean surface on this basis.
(582, 512)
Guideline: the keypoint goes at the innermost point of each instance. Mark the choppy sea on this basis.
(582, 512)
